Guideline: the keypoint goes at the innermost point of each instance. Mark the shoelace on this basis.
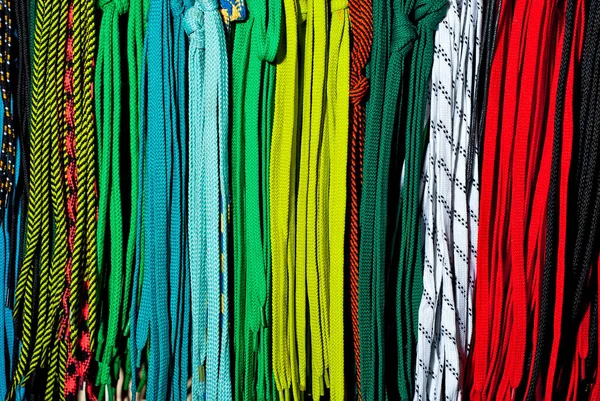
(338, 107)
(160, 236)
(46, 132)
(21, 116)
(110, 216)
(14, 222)
(9, 257)
(208, 199)
(490, 14)
(308, 272)
(361, 29)
(9, 145)
(392, 40)
(450, 210)
(10, 234)
(427, 15)
(135, 60)
(505, 319)
(282, 184)
(79, 321)
(549, 335)
(255, 47)
(574, 353)
(180, 290)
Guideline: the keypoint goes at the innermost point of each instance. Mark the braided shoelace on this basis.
(256, 42)
(208, 197)
(450, 210)
(309, 274)
(513, 206)
(361, 30)
(9, 143)
(282, 201)
(427, 15)
(135, 62)
(549, 333)
(110, 216)
(337, 132)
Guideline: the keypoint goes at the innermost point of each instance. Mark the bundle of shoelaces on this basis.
(300, 200)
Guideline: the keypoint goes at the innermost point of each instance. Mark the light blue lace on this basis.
(208, 201)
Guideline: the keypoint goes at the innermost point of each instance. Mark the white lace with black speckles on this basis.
(450, 210)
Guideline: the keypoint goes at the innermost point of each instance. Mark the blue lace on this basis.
(208, 200)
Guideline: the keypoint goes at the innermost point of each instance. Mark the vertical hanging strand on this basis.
(35, 322)
(11, 220)
(179, 275)
(255, 47)
(159, 150)
(575, 353)
(552, 299)
(427, 15)
(512, 232)
(135, 61)
(393, 35)
(338, 104)
(9, 145)
(73, 348)
(194, 26)
(208, 116)
(110, 217)
(307, 203)
(22, 116)
(239, 62)
(282, 169)
(450, 242)
(361, 29)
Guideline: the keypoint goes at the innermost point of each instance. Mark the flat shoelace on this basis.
(393, 37)
(445, 314)
(282, 184)
(208, 192)
(256, 43)
(160, 226)
(110, 215)
(180, 291)
(135, 62)
(427, 15)
(337, 129)
(309, 275)
(549, 335)
(66, 306)
(513, 206)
